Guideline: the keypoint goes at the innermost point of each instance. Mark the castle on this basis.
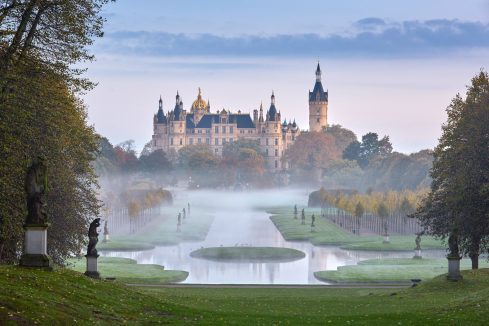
(179, 128)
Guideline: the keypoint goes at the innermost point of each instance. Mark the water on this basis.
(244, 226)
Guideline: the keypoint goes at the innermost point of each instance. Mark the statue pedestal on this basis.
(417, 254)
(454, 269)
(35, 247)
(386, 239)
(92, 269)
(313, 228)
(106, 238)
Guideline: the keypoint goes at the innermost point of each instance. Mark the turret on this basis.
(318, 104)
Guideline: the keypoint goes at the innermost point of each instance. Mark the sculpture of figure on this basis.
(106, 229)
(303, 217)
(188, 209)
(453, 245)
(93, 238)
(386, 228)
(313, 218)
(36, 187)
(418, 240)
(179, 219)
(184, 214)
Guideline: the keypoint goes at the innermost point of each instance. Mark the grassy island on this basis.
(126, 270)
(248, 254)
(390, 270)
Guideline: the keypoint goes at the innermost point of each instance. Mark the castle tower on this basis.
(318, 105)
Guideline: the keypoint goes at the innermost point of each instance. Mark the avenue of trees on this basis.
(42, 115)
(457, 207)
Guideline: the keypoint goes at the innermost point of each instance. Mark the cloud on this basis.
(369, 37)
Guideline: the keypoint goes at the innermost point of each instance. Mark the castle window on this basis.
(216, 150)
(276, 152)
(199, 131)
(191, 141)
(276, 164)
(231, 130)
(317, 120)
(266, 152)
(181, 141)
(171, 141)
(207, 131)
(216, 130)
(199, 141)
(231, 140)
(276, 141)
(266, 141)
(293, 138)
(223, 141)
(208, 141)
(223, 129)
(216, 141)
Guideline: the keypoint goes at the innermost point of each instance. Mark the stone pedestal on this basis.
(417, 254)
(454, 269)
(92, 268)
(386, 239)
(35, 247)
(106, 238)
(313, 228)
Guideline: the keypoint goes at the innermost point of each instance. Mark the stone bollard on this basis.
(92, 266)
(417, 254)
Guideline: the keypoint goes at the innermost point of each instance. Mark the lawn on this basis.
(162, 233)
(126, 270)
(31, 296)
(328, 233)
(247, 254)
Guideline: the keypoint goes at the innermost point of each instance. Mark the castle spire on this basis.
(177, 98)
(318, 73)
(160, 103)
(273, 98)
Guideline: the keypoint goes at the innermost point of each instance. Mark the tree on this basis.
(342, 137)
(154, 162)
(370, 147)
(56, 32)
(311, 154)
(457, 206)
(243, 161)
(359, 211)
(383, 213)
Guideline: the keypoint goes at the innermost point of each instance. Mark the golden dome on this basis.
(199, 103)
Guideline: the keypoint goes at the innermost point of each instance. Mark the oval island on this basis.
(247, 254)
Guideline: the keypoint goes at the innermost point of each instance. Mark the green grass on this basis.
(248, 254)
(124, 245)
(328, 233)
(162, 233)
(126, 270)
(390, 270)
(66, 297)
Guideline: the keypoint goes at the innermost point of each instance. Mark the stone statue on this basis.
(418, 240)
(179, 219)
(93, 238)
(106, 229)
(303, 217)
(184, 214)
(36, 187)
(313, 219)
(453, 245)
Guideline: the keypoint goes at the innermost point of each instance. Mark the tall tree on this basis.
(458, 203)
(370, 148)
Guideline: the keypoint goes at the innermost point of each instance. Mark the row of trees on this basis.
(377, 203)
(42, 115)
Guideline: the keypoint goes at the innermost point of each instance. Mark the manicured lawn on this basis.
(390, 270)
(162, 233)
(328, 233)
(66, 297)
(118, 244)
(126, 270)
(248, 254)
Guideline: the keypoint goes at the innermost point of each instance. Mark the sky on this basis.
(390, 67)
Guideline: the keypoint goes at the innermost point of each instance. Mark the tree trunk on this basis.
(475, 261)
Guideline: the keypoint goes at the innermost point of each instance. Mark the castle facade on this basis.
(179, 127)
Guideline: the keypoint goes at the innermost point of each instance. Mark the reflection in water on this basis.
(244, 226)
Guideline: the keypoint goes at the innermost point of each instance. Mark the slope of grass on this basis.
(328, 233)
(126, 270)
(247, 254)
(31, 296)
(390, 270)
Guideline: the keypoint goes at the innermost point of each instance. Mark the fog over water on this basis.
(240, 220)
